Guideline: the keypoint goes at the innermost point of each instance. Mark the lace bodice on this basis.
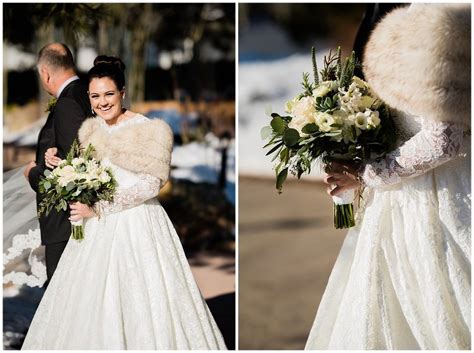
(423, 145)
(133, 188)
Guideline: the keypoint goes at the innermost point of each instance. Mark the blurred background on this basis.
(180, 62)
(287, 243)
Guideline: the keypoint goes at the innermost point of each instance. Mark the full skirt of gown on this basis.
(402, 278)
(127, 285)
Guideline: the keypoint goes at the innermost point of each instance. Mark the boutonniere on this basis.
(51, 104)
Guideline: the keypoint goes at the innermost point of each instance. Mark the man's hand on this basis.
(28, 168)
(50, 158)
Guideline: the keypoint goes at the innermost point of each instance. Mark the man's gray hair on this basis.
(56, 56)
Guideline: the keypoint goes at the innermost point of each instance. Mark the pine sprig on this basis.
(74, 151)
(350, 64)
(307, 86)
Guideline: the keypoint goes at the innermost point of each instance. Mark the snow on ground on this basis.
(263, 85)
(201, 162)
(196, 161)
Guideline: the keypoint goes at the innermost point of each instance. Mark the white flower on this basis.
(359, 82)
(298, 123)
(348, 134)
(360, 121)
(304, 108)
(290, 104)
(66, 175)
(303, 114)
(77, 161)
(92, 167)
(104, 177)
(372, 118)
(324, 88)
(324, 122)
(366, 102)
(341, 117)
(66, 170)
(350, 100)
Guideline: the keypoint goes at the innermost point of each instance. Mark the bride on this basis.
(402, 278)
(127, 285)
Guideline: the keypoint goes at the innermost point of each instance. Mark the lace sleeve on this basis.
(435, 144)
(145, 189)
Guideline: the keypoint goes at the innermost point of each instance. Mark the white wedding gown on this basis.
(127, 285)
(402, 278)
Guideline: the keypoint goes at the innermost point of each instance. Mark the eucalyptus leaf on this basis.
(281, 179)
(70, 186)
(278, 124)
(310, 128)
(47, 172)
(47, 185)
(291, 137)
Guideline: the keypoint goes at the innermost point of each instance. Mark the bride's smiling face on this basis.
(106, 98)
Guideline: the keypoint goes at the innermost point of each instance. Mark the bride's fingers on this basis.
(333, 178)
(75, 218)
(331, 191)
(337, 190)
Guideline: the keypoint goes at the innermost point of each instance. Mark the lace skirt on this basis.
(402, 278)
(127, 285)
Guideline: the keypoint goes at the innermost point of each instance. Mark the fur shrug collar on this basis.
(418, 60)
(142, 147)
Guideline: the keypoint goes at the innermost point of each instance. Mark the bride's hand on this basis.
(340, 178)
(80, 211)
(50, 158)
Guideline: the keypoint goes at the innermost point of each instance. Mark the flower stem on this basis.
(77, 232)
(344, 216)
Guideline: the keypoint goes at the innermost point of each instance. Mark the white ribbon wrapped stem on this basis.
(344, 198)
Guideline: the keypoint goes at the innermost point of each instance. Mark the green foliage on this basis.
(80, 189)
(308, 87)
(295, 152)
(315, 66)
(278, 125)
(330, 67)
(347, 71)
(281, 177)
(326, 104)
(290, 137)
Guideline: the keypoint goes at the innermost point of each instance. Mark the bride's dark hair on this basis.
(108, 66)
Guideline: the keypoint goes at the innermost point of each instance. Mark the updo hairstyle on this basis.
(108, 66)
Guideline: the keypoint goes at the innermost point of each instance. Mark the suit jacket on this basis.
(60, 130)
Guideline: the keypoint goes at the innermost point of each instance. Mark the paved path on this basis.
(288, 247)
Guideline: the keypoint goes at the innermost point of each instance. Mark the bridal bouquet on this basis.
(337, 117)
(78, 178)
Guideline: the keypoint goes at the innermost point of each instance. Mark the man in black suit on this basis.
(58, 76)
